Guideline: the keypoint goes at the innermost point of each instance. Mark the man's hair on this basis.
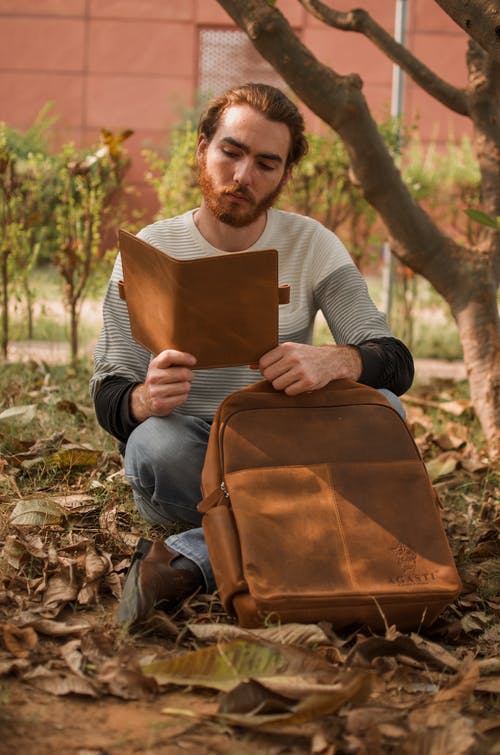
(269, 101)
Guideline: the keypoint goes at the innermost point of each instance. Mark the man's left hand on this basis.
(297, 367)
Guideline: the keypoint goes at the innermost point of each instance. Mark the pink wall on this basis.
(128, 64)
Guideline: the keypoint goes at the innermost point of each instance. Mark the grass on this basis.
(62, 404)
(63, 409)
(50, 318)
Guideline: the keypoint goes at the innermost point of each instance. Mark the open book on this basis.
(223, 309)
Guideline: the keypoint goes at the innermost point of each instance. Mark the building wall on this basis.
(120, 64)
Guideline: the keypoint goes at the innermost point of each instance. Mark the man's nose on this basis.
(243, 172)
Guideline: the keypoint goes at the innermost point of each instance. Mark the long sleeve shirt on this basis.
(322, 277)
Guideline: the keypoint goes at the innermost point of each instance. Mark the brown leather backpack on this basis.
(319, 507)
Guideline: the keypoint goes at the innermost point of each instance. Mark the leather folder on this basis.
(223, 309)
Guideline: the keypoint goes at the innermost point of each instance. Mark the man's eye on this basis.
(265, 166)
(230, 153)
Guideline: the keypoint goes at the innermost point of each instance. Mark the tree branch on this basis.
(339, 102)
(358, 20)
(480, 19)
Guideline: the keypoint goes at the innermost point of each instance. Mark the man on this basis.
(161, 408)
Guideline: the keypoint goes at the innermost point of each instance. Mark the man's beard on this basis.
(232, 213)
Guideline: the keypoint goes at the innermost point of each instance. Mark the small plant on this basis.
(25, 209)
(55, 208)
(86, 187)
(322, 187)
(174, 175)
(445, 179)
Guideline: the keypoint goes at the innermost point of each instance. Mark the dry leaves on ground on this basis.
(68, 534)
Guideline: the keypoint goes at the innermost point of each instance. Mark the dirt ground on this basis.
(50, 726)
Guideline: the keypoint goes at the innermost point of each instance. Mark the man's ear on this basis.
(286, 177)
(201, 146)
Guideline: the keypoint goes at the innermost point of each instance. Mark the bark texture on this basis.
(468, 279)
(480, 19)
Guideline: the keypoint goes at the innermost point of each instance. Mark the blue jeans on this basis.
(163, 462)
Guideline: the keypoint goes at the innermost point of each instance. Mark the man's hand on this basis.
(297, 367)
(167, 385)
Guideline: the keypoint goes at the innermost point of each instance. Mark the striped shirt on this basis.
(311, 259)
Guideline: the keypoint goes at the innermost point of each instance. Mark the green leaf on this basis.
(483, 218)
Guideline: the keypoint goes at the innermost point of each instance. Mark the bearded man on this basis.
(161, 408)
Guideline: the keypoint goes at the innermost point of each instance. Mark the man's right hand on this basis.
(167, 385)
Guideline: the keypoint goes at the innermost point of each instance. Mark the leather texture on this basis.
(319, 507)
(222, 309)
(153, 582)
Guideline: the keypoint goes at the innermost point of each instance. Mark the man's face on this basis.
(242, 169)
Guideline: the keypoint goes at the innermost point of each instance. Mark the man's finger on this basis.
(171, 357)
(270, 358)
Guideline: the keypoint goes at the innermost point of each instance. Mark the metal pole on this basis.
(397, 96)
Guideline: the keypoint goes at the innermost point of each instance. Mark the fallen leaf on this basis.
(65, 405)
(45, 446)
(475, 621)
(34, 512)
(426, 653)
(441, 466)
(18, 415)
(253, 697)
(441, 657)
(50, 627)
(461, 687)
(59, 683)
(13, 665)
(456, 408)
(66, 458)
(439, 730)
(19, 641)
(450, 441)
(73, 656)
(225, 665)
(112, 583)
(489, 684)
(483, 576)
(287, 634)
(76, 503)
(127, 681)
(61, 588)
(14, 553)
(359, 719)
(354, 686)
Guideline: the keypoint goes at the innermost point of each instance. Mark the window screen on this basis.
(228, 58)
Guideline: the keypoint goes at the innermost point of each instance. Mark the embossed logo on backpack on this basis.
(406, 559)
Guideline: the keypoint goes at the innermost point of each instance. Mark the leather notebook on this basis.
(223, 309)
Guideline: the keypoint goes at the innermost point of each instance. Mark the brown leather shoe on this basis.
(154, 582)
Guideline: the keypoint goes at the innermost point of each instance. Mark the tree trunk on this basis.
(5, 305)
(28, 296)
(482, 361)
(480, 19)
(468, 280)
(74, 317)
